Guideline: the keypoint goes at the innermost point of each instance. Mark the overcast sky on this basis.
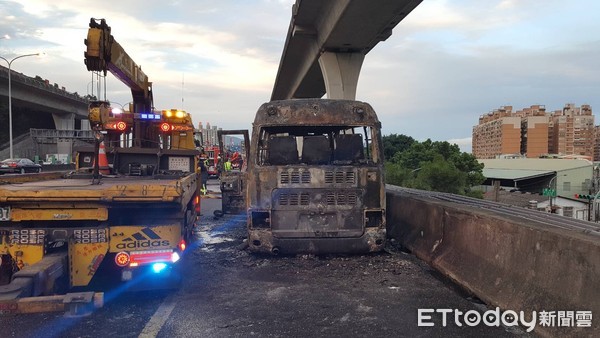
(446, 64)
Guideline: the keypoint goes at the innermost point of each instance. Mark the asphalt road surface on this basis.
(228, 292)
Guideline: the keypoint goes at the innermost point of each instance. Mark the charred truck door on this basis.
(234, 147)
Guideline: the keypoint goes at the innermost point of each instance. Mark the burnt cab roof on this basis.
(316, 112)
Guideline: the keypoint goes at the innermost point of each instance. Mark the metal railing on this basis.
(42, 84)
(51, 135)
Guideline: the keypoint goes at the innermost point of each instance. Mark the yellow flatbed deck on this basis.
(109, 189)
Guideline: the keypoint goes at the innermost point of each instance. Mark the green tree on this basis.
(397, 175)
(440, 175)
(394, 143)
(437, 166)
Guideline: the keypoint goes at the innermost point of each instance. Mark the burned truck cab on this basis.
(315, 178)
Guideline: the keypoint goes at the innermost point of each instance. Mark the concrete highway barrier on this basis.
(508, 261)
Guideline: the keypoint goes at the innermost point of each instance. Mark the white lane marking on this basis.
(159, 318)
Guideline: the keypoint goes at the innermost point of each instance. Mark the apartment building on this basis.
(209, 134)
(572, 130)
(534, 132)
(597, 143)
(498, 132)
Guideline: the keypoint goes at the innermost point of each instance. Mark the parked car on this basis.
(19, 165)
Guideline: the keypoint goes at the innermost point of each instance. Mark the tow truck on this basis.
(124, 215)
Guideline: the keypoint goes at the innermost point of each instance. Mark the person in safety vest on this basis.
(228, 165)
(203, 164)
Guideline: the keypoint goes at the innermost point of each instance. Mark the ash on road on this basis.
(229, 292)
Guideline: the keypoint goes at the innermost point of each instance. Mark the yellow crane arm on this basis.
(104, 54)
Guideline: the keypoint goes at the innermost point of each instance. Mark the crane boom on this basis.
(104, 54)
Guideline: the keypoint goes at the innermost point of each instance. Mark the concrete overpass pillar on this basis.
(85, 125)
(64, 122)
(340, 73)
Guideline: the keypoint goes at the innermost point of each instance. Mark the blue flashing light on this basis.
(144, 116)
(158, 267)
(156, 117)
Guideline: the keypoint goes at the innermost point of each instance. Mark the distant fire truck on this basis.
(213, 160)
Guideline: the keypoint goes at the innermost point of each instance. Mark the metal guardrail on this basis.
(53, 134)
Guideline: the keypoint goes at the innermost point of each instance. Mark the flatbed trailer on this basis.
(65, 233)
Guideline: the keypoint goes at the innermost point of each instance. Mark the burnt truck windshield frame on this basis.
(316, 145)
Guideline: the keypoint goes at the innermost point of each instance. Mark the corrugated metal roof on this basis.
(515, 174)
(540, 164)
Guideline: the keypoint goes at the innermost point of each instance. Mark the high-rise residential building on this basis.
(533, 132)
(498, 132)
(572, 130)
(209, 134)
(597, 143)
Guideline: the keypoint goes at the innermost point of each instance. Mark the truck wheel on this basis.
(188, 227)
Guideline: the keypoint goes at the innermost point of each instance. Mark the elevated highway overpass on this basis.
(327, 42)
(40, 96)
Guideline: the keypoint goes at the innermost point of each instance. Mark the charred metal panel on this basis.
(316, 112)
(317, 213)
(263, 240)
(232, 193)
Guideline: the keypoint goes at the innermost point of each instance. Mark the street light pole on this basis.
(10, 132)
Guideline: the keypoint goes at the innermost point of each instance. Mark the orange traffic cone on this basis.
(103, 160)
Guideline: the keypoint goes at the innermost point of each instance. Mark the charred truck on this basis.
(126, 213)
(316, 178)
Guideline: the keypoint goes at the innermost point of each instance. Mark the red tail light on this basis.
(122, 258)
(182, 245)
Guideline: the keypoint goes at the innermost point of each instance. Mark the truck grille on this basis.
(295, 177)
(340, 176)
(294, 199)
(341, 198)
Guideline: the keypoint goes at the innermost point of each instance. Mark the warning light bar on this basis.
(146, 116)
(174, 113)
